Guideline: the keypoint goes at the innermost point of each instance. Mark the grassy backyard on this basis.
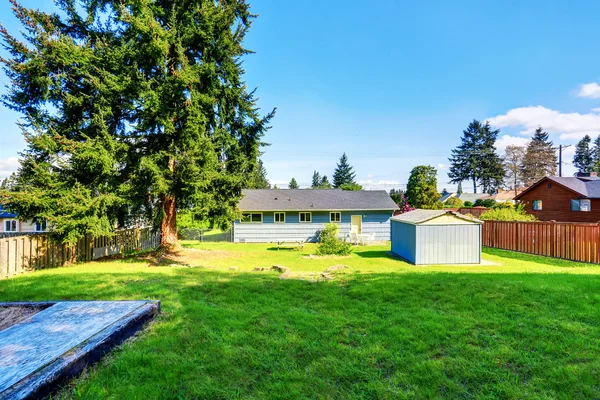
(524, 327)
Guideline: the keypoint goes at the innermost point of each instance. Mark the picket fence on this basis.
(27, 252)
(570, 241)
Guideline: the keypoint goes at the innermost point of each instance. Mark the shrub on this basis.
(485, 203)
(454, 202)
(330, 243)
(507, 214)
(468, 204)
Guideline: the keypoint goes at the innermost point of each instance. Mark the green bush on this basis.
(507, 214)
(468, 204)
(485, 203)
(330, 243)
(454, 202)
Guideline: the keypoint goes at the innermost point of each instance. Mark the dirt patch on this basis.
(326, 257)
(188, 257)
(14, 314)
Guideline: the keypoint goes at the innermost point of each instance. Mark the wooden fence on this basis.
(570, 241)
(26, 252)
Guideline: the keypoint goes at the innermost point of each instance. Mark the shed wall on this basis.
(403, 238)
(448, 244)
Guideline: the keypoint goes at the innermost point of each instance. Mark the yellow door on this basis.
(356, 225)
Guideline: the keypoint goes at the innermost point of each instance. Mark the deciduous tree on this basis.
(513, 164)
(293, 184)
(421, 191)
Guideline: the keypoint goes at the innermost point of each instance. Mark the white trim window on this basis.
(537, 205)
(252, 218)
(335, 216)
(40, 226)
(584, 205)
(279, 218)
(11, 225)
(305, 217)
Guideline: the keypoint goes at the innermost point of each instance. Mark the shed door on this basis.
(356, 226)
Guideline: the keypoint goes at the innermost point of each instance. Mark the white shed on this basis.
(436, 237)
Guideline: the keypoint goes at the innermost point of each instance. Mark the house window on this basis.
(280, 217)
(40, 226)
(252, 218)
(584, 205)
(537, 205)
(10, 225)
(335, 217)
(305, 217)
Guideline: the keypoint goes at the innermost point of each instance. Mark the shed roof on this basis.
(419, 216)
(315, 200)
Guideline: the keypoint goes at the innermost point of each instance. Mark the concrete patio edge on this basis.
(49, 378)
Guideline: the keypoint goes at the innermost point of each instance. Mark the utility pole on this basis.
(560, 149)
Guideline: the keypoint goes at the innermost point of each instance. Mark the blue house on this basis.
(300, 214)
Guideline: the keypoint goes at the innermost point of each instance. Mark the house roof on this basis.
(315, 200)
(6, 214)
(584, 186)
(419, 216)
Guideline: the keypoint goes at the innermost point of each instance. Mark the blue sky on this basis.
(393, 84)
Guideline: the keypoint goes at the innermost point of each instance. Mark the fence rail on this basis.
(570, 241)
(25, 252)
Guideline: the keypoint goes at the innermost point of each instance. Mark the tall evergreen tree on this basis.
(316, 180)
(421, 190)
(596, 155)
(583, 159)
(130, 107)
(343, 172)
(540, 158)
(293, 184)
(475, 159)
(459, 190)
(258, 178)
(324, 183)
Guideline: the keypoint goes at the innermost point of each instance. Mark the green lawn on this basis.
(528, 327)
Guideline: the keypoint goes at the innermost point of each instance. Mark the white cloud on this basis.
(507, 140)
(370, 184)
(596, 110)
(589, 90)
(442, 166)
(568, 125)
(8, 166)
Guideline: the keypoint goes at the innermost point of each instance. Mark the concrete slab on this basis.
(58, 342)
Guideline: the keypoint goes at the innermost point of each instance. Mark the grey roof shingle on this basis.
(315, 200)
(419, 216)
(587, 187)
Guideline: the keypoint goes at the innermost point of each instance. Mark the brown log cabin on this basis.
(564, 199)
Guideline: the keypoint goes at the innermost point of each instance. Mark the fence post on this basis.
(553, 238)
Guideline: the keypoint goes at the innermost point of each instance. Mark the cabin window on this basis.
(40, 226)
(583, 205)
(10, 225)
(305, 217)
(335, 217)
(252, 218)
(537, 205)
(280, 217)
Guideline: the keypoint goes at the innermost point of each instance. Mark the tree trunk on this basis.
(474, 185)
(168, 225)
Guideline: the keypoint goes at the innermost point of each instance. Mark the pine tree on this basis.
(258, 178)
(475, 159)
(583, 159)
(343, 172)
(540, 158)
(421, 191)
(459, 190)
(324, 183)
(275, 186)
(132, 108)
(596, 155)
(293, 184)
(316, 180)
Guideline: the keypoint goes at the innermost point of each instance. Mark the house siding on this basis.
(377, 222)
(556, 204)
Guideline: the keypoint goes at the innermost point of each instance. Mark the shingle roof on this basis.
(419, 216)
(315, 200)
(587, 187)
